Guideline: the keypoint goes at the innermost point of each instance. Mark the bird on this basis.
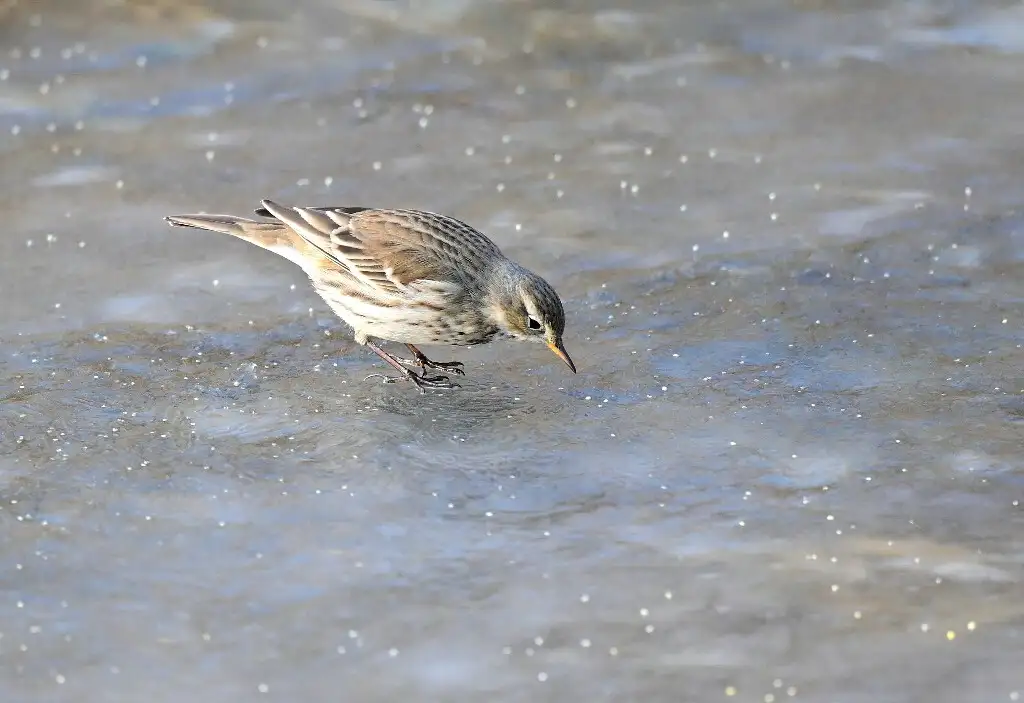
(407, 276)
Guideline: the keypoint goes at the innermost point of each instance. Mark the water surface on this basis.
(789, 243)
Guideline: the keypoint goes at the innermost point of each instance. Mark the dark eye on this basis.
(534, 325)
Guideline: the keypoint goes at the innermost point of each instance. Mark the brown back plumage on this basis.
(390, 249)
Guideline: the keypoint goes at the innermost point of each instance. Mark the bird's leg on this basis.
(420, 359)
(421, 381)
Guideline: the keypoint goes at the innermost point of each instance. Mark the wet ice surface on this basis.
(790, 250)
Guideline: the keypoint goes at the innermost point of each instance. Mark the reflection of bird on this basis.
(406, 276)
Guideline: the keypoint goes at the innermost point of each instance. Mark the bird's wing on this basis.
(390, 250)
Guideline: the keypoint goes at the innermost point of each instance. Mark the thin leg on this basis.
(420, 359)
(421, 381)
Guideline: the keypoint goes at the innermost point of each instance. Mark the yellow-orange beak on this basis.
(560, 352)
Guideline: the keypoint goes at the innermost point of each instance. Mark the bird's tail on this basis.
(225, 224)
(273, 236)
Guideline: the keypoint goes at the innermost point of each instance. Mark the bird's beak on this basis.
(560, 352)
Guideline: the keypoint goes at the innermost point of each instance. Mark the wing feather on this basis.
(327, 236)
(396, 252)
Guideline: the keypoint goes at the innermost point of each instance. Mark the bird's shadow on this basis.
(474, 404)
(334, 374)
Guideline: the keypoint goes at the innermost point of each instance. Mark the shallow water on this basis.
(789, 243)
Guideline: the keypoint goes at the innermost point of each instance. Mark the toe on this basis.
(434, 382)
(453, 366)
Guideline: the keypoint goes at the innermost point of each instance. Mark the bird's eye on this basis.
(534, 325)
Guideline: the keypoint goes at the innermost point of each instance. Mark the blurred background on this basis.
(788, 238)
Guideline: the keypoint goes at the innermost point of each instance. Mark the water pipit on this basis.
(405, 276)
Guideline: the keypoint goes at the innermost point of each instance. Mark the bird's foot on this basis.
(455, 367)
(422, 382)
(424, 363)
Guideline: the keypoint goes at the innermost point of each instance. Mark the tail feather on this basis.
(273, 236)
(225, 224)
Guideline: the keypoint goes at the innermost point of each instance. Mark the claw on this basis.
(424, 363)
(432, 381)
(452, 366)
(455, 367)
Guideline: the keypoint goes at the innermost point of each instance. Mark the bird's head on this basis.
(525, 306)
